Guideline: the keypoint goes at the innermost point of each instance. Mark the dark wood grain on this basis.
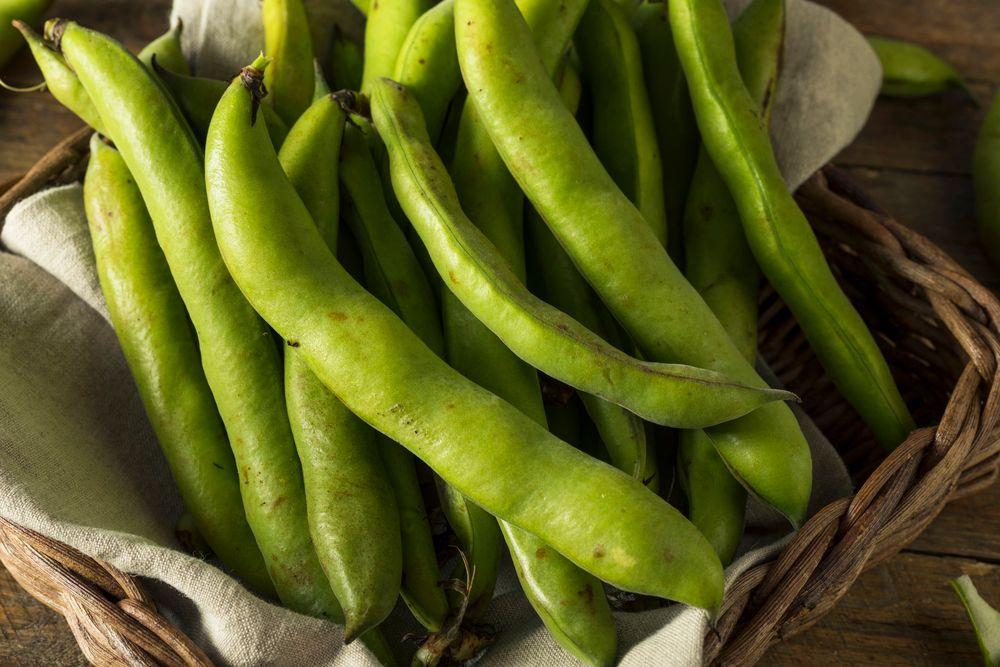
(30, 633)
(913, 157)
(901, 613)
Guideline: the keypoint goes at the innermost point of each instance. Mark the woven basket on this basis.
(937, 326)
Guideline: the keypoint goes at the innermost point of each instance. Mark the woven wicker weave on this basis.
(937, 326)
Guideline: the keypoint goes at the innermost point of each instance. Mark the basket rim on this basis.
(112, 617)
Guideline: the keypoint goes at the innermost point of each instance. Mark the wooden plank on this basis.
(31, 633)
(962, 31)
(936, 134)
(968, 528)
(936, 205)
(900, 613)
(34, 122)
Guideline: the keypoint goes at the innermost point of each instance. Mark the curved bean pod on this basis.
(351, 508)
(676, 129)
(27, 11)
(623, 434)
(543, 336)
(389, 22)
(167, 50)
(779, 234)
(613, 247)
(310, 156)
(553, 585)
(721, 267)
(910, 70)
(384, 374)
(428, 65)
(290, 78)
(60, 80)
(152, 326)
(237, 353)
(392, 271)
(986, 180)
(393, 274)
(197, 98)
(623, 133)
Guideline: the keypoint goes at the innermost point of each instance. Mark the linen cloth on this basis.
(79, 462)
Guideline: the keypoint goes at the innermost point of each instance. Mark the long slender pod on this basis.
(237, 353)
(393, 274)
(986, 180)
(384, 374)
(543, 336)
(60, 80)
(428, 65)
(910, 70)
(676, 129)
(389, 22)
(625, 138)
(166, 49)
(623, 433)
(623, 132)
(152, 326)
(290, 78)
(779, 234)
(721, 267)
(613, 246)
(351, 508)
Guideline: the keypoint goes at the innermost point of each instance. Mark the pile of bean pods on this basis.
(498, 292)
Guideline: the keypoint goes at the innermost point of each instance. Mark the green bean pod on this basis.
(623, 133)
(320, 87)
(543, 336)
(428, 65)
(351, 508)
(290, 78)
(479, 355)
(197, 98)
(310, 156)
(393, 274)
(910, 70)
(779, 234)
(238, 355)
(721, 267)
(61, 81)
(167, 50)
(29, 12)
(676, 129)
(553, 585)
(986, 181)
(152, 326)
(479, 537)
(389, 23)
(612, 245)
(392, 271)
(623, 434)
(475, 441)
(345, 62)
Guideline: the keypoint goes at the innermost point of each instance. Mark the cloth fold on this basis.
(79, 462)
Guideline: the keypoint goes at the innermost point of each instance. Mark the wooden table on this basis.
(913, 157)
